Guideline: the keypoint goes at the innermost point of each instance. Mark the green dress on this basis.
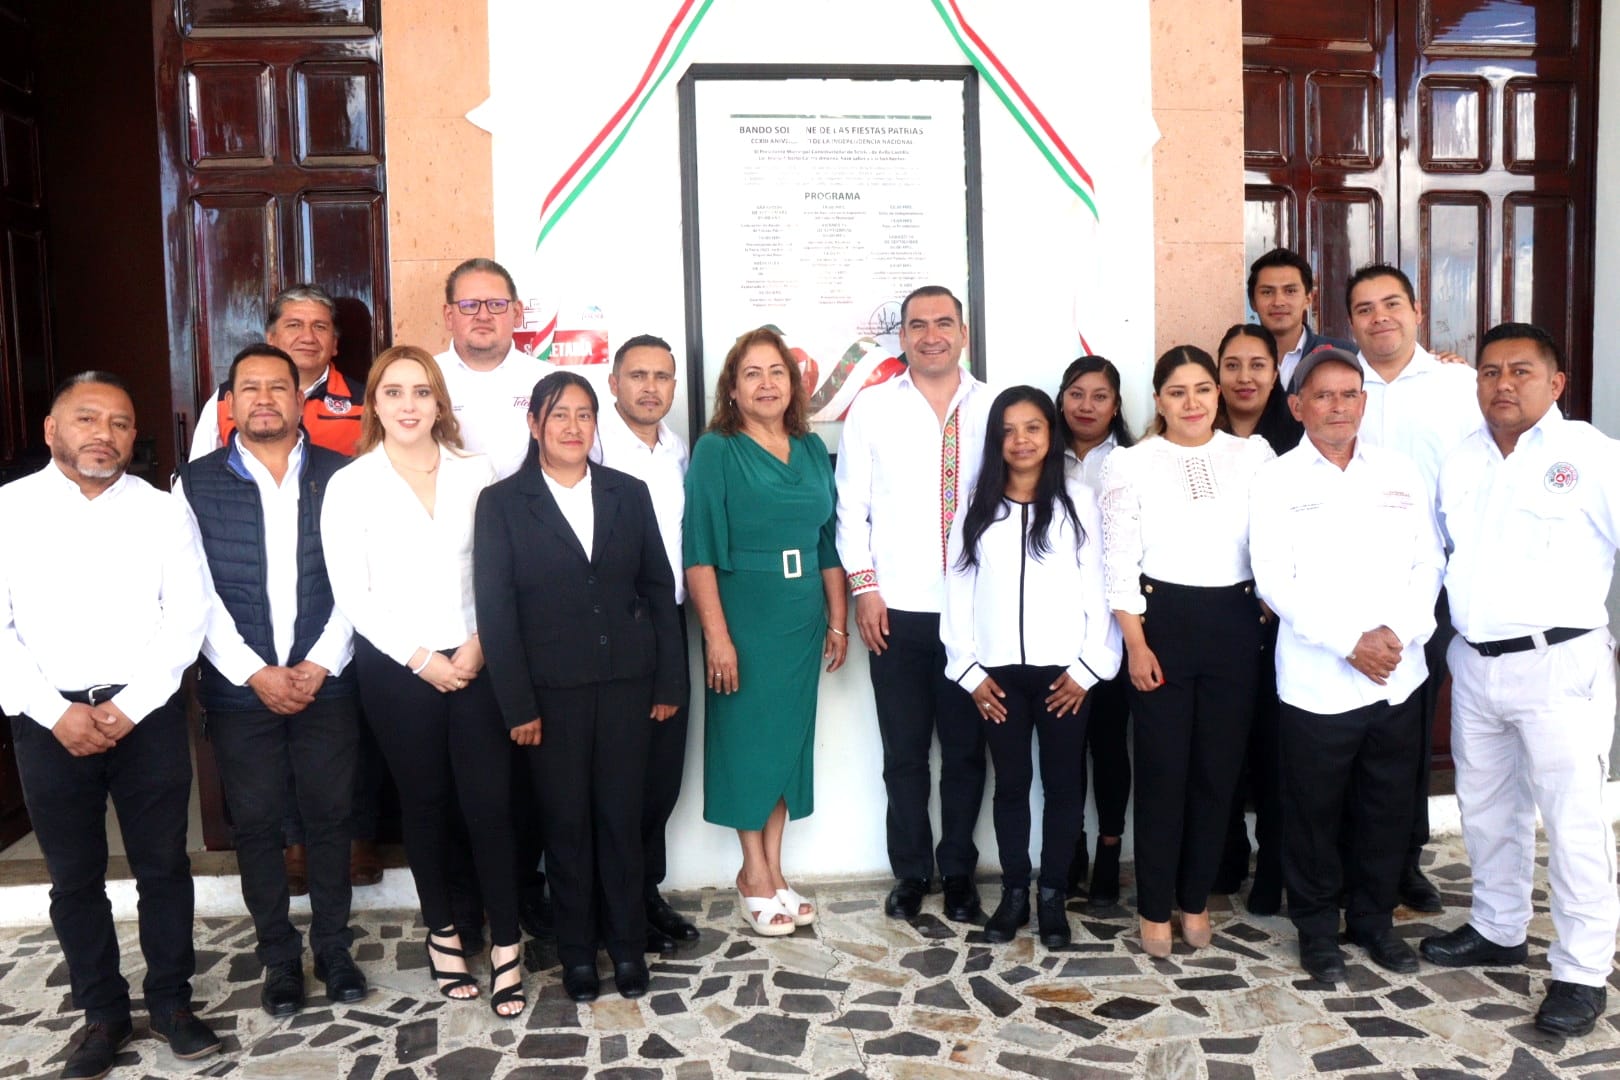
(744, 510)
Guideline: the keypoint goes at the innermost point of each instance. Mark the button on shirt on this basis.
(662, 467)
(493, 406)
(105, 590)
(903, 477)
(1533, 535)
(1338, 552)
(1017, 608)
(224, 646)
(1178, 514)
(1425, 412)
(402, 576)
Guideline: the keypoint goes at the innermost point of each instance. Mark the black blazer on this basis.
(548, 617)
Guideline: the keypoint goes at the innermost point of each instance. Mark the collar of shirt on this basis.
(1422, 363)
(611, 424)
(1316, 457)
(64, 485)
(319, 385)
(966, 384)
(451, 351)
(258, 470)
(1542, 430)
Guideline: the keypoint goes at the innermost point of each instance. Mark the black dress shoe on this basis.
(1467, 947)
(97, 1050)
(667, 921)
(344, 982)
(1103, 892)
(1570, 1009)
(658, 941)
(283, 991)
(1388, 951)
(1052, 918)
(905, 899)
(1010, 914)
(1418, 892)
(1321, 958)
(188, 1037)
(580, 982)
(630, 977)
(961, 898)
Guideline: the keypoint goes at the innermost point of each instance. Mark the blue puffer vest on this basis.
(225, 499)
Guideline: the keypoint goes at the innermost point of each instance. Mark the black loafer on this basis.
(97, 1051)
(1388, 952)
(667, 921)
(188, 1037)
(630, 977)
(580, 982)
(1052, 918)
(345, 983)
(905, 899)
(1321, 958)
(1570, 1009)
(283, 991)
(1418, 892)
(1010, 914)
(1467, 947)
(962, 898)
(657, 941)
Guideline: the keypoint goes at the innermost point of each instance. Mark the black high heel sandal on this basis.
(458, 979)
(506, 994)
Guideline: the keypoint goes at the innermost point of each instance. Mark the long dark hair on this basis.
(988, 503)
(1087, 365)
(1180, 356)
(1276, 424)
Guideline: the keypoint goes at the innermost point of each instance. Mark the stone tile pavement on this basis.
(860, 995)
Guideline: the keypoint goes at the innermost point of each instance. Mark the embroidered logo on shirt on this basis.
(1397, 500)
(337, 405)
(1561, 477)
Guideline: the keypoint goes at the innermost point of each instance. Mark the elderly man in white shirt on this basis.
(1345, 550)
(103, 599)
(906, 465)
(631, 436)
(1533, 673)
(1424, 408)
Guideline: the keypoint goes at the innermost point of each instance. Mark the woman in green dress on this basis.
(763, 572)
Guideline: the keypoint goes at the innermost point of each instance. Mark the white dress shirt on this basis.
(1425, 413)
(1089, 468)
(575, 504)
(205, 440)
(493, 406)
(903, 477)
(662, 467)
(1533, 534)
(1338, 552)
(224, 646)
(105, 590)
(1178, 514)
(1017, 608)
(402, 576)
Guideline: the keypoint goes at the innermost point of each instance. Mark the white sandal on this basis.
(758, 911)
(791, 902)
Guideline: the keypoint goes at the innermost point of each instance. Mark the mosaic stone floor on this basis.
(860, 995)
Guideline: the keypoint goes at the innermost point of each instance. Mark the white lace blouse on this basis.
(1178, 514)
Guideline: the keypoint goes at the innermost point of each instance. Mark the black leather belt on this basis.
(94, 695)
(1525, 644)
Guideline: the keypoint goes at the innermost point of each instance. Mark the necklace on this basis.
(404, 465)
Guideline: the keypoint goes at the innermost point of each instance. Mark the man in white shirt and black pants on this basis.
(103, 598)
(906, 465)
(275, 688)
(1530, 504)
(631, 436)
(1345, 550)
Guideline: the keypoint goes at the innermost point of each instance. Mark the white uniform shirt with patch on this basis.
(493, 406)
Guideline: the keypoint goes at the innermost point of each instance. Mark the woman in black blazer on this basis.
(576, 610)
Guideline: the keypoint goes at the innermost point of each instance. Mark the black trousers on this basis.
(1353, 767)
(318, 748)
(148, 776)
(589, 772)
(1191, 733)
(666, 763)
(365, 803)
(444, 751)
(1434, 655)
(1106, 740)
(915, 701)
(1062, 741)
(1261, 782)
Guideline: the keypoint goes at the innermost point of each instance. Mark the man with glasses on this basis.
(488, 378)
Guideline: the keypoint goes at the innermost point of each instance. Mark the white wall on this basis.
(558, 72)
(1606, 284)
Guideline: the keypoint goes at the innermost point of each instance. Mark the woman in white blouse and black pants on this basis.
(1176, 555)
(1027, 632)
(397, 528)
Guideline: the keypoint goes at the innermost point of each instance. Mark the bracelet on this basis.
(425, 663)
(835, 630)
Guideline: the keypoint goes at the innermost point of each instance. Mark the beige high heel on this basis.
(1155, 937)
(1195, 929)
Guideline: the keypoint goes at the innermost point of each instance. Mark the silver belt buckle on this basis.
(792, 563)
(94, 693)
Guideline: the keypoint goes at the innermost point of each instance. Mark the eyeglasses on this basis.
(470, 307)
